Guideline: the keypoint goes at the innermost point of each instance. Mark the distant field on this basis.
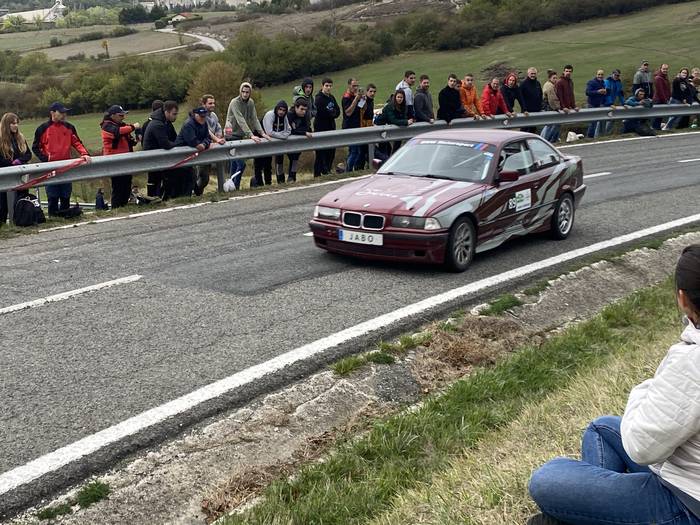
(31, 40)
(663, 34)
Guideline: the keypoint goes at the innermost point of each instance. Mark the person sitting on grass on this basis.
(643, 467)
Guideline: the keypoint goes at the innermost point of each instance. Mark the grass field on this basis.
(32, 40)
(663, 34)
(465, 457)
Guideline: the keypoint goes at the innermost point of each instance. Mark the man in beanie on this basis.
(117, 138)
(306, 91)
(242, 123)
(53, 140)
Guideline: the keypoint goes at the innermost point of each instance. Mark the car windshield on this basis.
(441, 158)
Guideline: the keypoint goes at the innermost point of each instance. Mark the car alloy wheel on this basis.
(563, 218)
(461, 245)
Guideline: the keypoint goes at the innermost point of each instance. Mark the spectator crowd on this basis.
(312, 111)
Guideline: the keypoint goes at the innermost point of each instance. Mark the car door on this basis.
(546, 172)
(513, 200)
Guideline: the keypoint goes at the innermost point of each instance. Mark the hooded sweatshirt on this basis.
(395, 114)
(450, 105)
(661, 424)
(615, 91)
(160, 133)
(492, 101)
(662, 88)
(353, 120)
(299, 93)
(470, 100)
(241, 116)
(327, 111)
(642, 79)
(682, 89)
(276, 127)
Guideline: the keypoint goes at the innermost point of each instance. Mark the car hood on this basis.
(399, 195)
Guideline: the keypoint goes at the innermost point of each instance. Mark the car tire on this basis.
(563, 218)
(461, 245)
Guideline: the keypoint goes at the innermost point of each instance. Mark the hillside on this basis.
(613, 42)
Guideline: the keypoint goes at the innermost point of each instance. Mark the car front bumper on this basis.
(428, 247)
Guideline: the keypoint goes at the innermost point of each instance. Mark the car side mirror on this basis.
(377, 163)
(508, 176)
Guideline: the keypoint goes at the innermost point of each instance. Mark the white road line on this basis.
(689, 160)
(198, 204)
(52, 461)
(594, 175)
(67, 295)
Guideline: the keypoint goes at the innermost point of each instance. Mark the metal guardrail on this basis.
(155, 160)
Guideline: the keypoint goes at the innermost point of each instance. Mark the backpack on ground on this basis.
(28, 212)
(70, 213)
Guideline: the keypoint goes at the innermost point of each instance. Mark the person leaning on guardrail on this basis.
(217, 134)
(54, 140)
(195, 134)
(681, 93)
(300, 126)
(643, 467)
(242, 123)
(635, 125)
(396, 111)
(14, 151)
(492, 101)
(531, 95)
(565, 90)
(423, 101)
(276, 125)
(366, 121)
(596, 93)
(615, 96)
(662, 91)
(550, 102)
(327, 110)
(117, 138)
(161, 134)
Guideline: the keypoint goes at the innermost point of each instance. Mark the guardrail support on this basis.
(221, 175)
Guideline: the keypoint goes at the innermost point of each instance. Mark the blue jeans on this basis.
(551, 132)
(354, 154)
(673, 121)
(606, 487)
(237, 165)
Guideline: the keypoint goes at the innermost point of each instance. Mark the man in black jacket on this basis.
(531, 93)
(450, 102)
(327, 110)
(195, 134)
(299, 122)
(161, 134)
(423, 101)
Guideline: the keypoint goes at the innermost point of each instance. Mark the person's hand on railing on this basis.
(510, 115)
(526, 114)
(577, 109)
(86, 158)
(309, 135)
(410, 121)
(201, 147)
(221, 141)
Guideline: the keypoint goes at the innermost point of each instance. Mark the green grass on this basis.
(52, 512)
(92, 493)
(347, 365)
(361, 478)
(502, 304)
(536, 288)
(380, 358)
(608, 43)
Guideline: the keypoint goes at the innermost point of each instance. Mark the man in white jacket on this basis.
(643, 468)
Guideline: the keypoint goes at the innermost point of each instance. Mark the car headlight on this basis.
(324, 212)
(402, 221)
(417, 223)
(432, 224)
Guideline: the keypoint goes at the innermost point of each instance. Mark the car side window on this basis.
(516, 157)
(543, 154)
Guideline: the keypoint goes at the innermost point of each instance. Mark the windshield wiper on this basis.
(430, 176)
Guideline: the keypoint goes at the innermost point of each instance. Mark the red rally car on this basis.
(446, 195)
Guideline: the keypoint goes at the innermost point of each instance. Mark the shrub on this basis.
(55, 42)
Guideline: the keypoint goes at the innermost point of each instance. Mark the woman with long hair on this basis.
(641, 468)
(14, 150)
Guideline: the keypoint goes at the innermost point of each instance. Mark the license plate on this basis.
(375, 239)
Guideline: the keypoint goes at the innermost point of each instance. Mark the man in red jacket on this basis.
(492, 101)
(53, 140)
(564, 88)
(117, 138)
(662, 91)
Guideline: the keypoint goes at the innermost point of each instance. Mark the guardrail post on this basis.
(11, 196)
(221, 175)
(370, 154)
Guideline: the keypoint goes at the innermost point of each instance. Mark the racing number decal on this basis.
(522, 200)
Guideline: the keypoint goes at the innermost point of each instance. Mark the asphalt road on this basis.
(229, 285)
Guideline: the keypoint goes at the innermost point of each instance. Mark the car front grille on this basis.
(358, 220)
(352, 219)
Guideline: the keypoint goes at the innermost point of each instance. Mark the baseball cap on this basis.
(57, 106)
(645, 62)
(201, 110)
(115, 110)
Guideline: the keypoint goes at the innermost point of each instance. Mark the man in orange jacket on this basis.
(53, 140)
(117, 138)
(470, 97)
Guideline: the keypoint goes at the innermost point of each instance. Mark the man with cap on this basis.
(117, 138)
(195, 134)
(643, 79)
(53, 140)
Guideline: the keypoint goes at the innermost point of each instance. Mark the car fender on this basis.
(449, 213)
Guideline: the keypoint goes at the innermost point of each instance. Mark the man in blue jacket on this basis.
(195, 134)
(615, 95)
(596, 93)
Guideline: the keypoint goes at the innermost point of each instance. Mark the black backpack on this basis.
(28, 211)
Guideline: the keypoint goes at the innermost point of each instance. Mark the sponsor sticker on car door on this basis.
(522, 200)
